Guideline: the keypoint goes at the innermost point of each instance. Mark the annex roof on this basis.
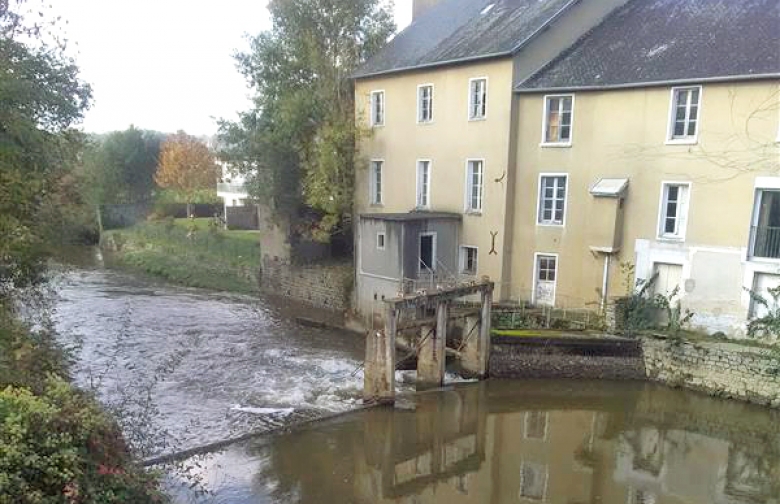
(455, 31)
(609, 187)
(649, 42)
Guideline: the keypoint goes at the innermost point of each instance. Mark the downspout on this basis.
(605, 283)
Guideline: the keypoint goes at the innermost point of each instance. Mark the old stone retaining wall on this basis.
(720, 369)
(321, 285)
(576, 358)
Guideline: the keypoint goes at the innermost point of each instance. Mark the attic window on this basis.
(487, 9)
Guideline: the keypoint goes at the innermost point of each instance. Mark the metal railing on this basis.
(231, 188)
(765, 242)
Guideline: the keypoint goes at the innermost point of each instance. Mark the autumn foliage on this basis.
(186, 165)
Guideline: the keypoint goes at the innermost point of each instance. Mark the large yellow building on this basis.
(549, 144)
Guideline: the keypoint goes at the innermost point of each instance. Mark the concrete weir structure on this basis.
(430, 314)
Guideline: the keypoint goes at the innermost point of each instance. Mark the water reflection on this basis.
(501, 442)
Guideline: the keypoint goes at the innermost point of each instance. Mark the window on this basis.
(375, 182)
(674, 211)
(474, 176)
(536, 421)
(468, 260)
(477, 98)
(425, 103)
(552, 199)
(377, 108)
(533, 480)
(641, 497)
(558, 111)
(380, 241)
(683, 123)
(765, 231)
(423, 184)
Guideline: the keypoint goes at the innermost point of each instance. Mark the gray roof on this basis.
(458, 30)
(660, 41)
(413, 216)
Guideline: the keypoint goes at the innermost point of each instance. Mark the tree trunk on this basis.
(189, 209)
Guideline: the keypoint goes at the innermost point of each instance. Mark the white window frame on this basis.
(463, 259)
(520, 494)
(483, 116)
(539, 198)
(546, 118)
(420, 119)
(682, 217)
(418, 197)
(762, 185)
(535, 276)
(373, 120)
(433, 250)
(383, 244)
(684, 140)
(468, 208)
(372, 189)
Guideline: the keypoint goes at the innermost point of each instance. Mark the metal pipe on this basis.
(605, 283)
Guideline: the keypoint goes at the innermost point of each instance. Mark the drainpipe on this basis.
(605, 283)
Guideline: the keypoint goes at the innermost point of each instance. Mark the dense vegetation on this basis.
(297, 146)
(56, 445)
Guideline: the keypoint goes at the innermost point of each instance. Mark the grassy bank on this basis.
(189, 252)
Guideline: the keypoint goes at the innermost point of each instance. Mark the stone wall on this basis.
(721, 369)
(321, 285)
(574, 358)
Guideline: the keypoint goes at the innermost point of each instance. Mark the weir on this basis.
(430, 315)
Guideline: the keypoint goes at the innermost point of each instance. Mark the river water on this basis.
(188, 367)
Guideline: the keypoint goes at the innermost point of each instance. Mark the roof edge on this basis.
(632, 85)
(544, 26)
(428, 66)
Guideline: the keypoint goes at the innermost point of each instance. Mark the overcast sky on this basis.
(166, 64)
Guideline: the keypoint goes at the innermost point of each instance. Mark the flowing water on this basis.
(189, 367)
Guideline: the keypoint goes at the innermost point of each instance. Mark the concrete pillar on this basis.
(432, 356)
(476, 351)
(379, 372)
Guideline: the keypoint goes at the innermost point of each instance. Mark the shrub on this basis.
(769, 323)
(59, 447)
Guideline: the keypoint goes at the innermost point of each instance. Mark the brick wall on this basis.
(721, 369)
(321, 285)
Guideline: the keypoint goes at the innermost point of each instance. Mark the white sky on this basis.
(166, 64)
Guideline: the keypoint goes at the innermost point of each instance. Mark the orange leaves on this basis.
(186, 165)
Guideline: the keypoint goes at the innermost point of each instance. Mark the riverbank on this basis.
(88, 460)
(189, 253)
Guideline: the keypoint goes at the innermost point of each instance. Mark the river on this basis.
(188, 367)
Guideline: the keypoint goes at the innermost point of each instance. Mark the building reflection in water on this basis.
(476, 445)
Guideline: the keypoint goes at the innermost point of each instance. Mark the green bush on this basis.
(60, 447)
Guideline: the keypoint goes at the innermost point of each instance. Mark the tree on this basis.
(41, 97)
(186, 165)
(121, 166)
(297, 145)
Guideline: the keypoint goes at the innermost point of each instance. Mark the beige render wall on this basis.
(448, 142)
(622, 133)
